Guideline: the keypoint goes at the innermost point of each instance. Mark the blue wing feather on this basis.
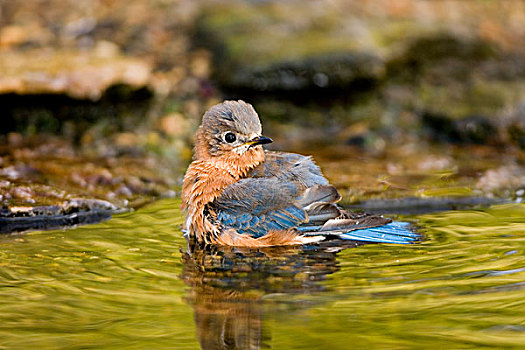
(257, 226)
(257, 205)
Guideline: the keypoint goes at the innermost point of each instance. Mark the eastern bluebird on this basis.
(238, 194)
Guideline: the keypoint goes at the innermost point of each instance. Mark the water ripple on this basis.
(131, 282)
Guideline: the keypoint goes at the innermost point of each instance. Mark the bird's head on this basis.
(231, 128)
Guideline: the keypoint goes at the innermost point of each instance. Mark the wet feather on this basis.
(240, 195)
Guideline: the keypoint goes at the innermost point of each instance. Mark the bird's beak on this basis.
(259, 140)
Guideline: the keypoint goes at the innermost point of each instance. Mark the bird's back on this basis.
(292, 167)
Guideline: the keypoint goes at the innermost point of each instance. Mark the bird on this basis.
(236, 193)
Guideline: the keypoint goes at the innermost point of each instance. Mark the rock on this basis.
(414, 205)
(78, 204)
(463, 87)
(472, 129)
(257, 50)
(327, 74)
(73, 212)
(507, 177)
(77, 74)
(440, 57)
(475, 129)
(20, 172)
(23, 193)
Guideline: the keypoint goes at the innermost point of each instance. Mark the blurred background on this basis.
(404, 103)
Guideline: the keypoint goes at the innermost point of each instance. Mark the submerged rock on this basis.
(73, 212)
(413, 205)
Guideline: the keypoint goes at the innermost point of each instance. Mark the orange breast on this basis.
(203, 183)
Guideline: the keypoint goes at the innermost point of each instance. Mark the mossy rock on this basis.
(440, 57)
(262, 49)
(327, 75)
(491, 98)
(463, 88)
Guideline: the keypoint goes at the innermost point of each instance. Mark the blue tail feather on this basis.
(394, 232)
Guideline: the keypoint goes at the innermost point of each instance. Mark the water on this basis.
(130, 283)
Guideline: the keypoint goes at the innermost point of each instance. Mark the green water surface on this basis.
(131, 283)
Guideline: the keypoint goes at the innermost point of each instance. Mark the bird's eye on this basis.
(230, 137)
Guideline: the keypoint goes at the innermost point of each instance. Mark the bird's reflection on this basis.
(228, 286)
